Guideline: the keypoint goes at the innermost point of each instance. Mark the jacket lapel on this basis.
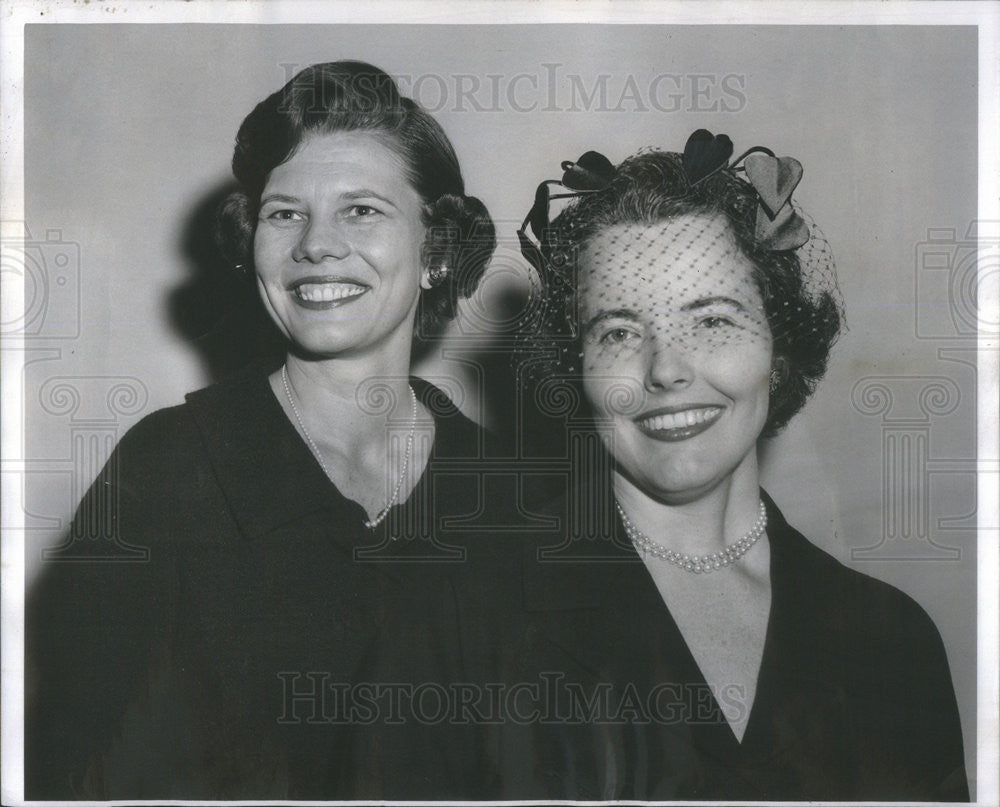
(267, 473)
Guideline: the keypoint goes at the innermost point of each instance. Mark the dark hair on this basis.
(353, 96)
(652, 187)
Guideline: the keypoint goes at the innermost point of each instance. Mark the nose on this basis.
(321, 240)
(668, 365)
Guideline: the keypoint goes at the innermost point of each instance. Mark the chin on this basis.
(325, 350)
(672, 488)
(681, 494)
(679, 482)
(328, 336)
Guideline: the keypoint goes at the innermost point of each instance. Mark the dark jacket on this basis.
(854, 698)
(216, 594)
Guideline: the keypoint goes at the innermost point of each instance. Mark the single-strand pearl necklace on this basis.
(315, 450)
(697, 563)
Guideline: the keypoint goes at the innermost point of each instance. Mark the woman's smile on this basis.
(673, 424)
(323, 293)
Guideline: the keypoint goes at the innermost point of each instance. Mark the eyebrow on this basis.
(362, 193)
(277, 197)
(365, 193)
(704, 302)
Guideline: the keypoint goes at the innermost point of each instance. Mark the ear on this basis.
(425, 279)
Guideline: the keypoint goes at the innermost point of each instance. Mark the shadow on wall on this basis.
(215, 310)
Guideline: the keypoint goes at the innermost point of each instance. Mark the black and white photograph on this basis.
(500, 402)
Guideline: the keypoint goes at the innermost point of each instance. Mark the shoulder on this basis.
(845, 631)
(172, 432)
(160, 448)
(456, 437)
(839, 584)
(168, 457)
(864, 614)
(160, 432)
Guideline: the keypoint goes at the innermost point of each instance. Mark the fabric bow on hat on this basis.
(778, 225)
(591, 172)
(705, 154)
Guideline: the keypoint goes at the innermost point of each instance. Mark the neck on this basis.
(347, 403)
(701, 525)
(347, 378)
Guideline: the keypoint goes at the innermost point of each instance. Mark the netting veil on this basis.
(688, 250)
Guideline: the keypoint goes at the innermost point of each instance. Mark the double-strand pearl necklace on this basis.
(319, 457)
(697, 563)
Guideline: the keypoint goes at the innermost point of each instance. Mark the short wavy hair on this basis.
(351, 96)
(804, 317)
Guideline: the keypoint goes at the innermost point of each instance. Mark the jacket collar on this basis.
(575, 582)
(269, 476)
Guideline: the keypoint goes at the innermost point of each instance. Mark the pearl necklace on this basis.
(697, 563)
(315, 449)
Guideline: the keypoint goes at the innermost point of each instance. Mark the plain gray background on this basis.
(129, 132)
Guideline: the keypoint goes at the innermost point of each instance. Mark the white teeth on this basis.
(327, 292)
(680, 420)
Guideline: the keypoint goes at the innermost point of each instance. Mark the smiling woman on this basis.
(703, 648)
(269, 508)
(705, 331)
(338, 246)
